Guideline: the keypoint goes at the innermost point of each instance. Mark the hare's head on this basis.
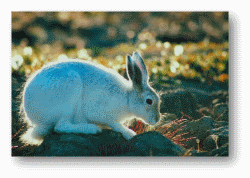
(143, 100)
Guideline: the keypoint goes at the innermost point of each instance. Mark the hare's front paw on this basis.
(90, 129)
(126, 132)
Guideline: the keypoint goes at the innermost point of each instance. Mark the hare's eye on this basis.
(149, 101)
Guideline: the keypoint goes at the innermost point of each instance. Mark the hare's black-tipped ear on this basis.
(134, 73)
(142, 67)
(139, 62)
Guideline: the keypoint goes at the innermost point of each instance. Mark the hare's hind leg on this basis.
(64, 125)
(73, 120)
(34, 135)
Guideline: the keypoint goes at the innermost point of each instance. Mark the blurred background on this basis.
(176, 45)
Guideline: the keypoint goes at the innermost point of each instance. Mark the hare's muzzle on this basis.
(156, 119)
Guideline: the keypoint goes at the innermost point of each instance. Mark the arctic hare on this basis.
(73, 96)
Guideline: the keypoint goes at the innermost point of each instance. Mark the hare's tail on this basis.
(35, 135)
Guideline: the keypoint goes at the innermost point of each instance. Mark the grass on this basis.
(203, 61)
(168, 130)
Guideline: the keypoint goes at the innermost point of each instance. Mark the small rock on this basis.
(219, 97)
(219, 109)
(199, 128)
(211, 142)
(223, 117)
(191, 144)
(222, 133)
(153, 144)
(220, 94)
(222, 151)
(202, 97)
(178, 102)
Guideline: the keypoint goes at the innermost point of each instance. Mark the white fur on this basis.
(75, 95)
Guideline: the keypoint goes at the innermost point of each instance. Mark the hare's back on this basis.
(65, 77)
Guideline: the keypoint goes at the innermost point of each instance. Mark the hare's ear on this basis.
(140, 64)
(133, 72)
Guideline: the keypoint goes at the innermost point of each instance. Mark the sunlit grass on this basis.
(187, 60)
(16, 61)
(178, 50)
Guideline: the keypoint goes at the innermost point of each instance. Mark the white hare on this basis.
(73, 96)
